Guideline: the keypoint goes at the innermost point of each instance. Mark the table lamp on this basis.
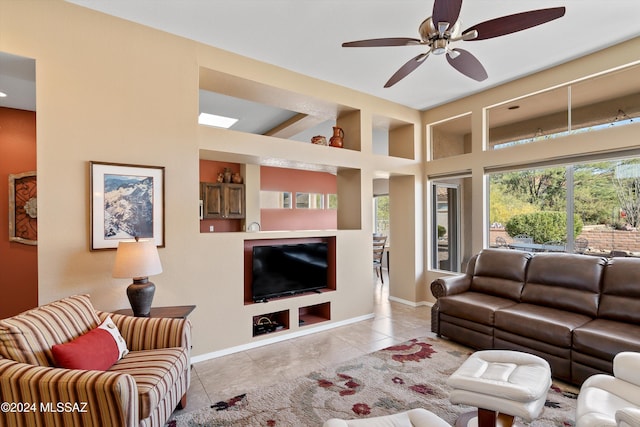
(138, 260)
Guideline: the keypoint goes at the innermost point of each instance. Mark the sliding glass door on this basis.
(445, 242)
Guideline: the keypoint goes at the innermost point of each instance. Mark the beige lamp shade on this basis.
(137, 259)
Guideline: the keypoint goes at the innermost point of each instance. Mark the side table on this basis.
(175, 311)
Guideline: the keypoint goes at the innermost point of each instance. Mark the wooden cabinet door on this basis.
(212, 200)
(234, 201)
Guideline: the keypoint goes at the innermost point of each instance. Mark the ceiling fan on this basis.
(442, 28)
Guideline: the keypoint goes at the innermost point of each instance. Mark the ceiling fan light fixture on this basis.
(453, 54)
(439, 46)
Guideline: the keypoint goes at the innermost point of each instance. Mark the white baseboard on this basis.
(411, 303)
(302, 332)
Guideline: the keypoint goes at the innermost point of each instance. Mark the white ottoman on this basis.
(412, 418)
(502, 385)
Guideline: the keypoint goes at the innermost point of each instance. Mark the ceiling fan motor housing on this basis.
(438, 41)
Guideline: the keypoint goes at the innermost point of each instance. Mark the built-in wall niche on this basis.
(280, 320)
(222, 204)
(265, 110)
(312, 314)
(329, 241)
(394, 138)
(593, 103)
(450, 137)
(270, 322)
(296, 199)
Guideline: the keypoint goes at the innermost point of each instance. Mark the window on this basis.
(587, 105)
(309, 201)
(381, 216)
(591, 208)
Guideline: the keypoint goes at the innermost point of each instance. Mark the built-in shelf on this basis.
(313, 314)
(270, 322)
(280, 320)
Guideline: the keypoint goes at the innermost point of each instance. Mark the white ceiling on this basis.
(18, 82)
(306, 36)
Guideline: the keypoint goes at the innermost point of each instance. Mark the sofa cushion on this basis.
(620, 299)
(565, 281)
(473, 306)
(28, 337)
(155, 373)
(500, 272)
(545, 324)
(604, 338)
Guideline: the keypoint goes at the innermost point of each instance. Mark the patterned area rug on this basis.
(398, 378)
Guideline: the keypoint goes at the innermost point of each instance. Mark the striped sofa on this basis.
(141, 389)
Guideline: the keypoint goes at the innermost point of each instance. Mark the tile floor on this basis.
(224, 377)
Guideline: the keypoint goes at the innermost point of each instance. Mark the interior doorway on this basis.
(18, 200)
(381, 215)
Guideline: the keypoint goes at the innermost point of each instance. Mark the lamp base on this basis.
(140, 294)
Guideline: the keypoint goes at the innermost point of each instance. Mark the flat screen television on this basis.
(289, 269)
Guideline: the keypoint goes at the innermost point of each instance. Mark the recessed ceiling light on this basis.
(3, 95)
(215, 120)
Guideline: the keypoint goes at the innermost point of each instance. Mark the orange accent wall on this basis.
(18, 262)
(294, 180)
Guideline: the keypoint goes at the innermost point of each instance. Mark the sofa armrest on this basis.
(628, 417)
(450, 285)
(150, 333)
(39, 395)
(626, 366)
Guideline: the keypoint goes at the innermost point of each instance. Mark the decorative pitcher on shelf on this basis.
(337, 138)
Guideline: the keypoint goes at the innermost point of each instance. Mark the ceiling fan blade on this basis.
(513, 23)
(446, 11)
(407, 68)
(467, 64)
(392, 41)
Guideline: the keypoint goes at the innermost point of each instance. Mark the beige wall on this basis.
(112, 91)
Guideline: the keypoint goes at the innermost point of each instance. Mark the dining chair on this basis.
(501, 242)
(379, 242)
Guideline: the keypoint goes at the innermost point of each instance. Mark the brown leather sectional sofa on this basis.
(575, 311)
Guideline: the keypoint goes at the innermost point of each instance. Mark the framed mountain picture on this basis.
(127, 202)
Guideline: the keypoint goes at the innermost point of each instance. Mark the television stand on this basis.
(308, 315)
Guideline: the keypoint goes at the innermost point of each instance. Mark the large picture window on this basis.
(591, 208)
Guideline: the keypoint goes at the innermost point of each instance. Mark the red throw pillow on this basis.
(95, 350)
